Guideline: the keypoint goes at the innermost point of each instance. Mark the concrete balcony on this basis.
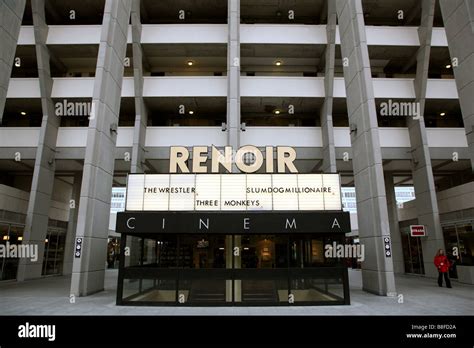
(216, 86)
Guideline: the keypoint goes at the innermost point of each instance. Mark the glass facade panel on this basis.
(459, 242)
(54, 251)
(10, 235)
(204, 269)
(317, 285)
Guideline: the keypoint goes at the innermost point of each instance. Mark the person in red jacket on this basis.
(442, 264)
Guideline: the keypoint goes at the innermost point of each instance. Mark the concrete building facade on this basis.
(377, 91)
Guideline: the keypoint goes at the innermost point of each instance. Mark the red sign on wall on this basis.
(417, 230)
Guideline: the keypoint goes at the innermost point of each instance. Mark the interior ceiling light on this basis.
(190, 63)
(442, 114)
(22, 113)
(191, 112)
(448, 66)
(277, 112)
(20, 238)
(278, 63)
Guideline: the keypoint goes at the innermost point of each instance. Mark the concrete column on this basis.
(392, 207)
(458, 17)
(233, 118)
(238, 265)
(11, 15)
(233, 74)
(72, 224)
(423, 181)
(141, 115)
(327, 130)
(229, 255)
(377, 269)
(94, 208)
(36, 225)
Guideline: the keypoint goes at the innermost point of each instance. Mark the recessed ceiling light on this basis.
(442, 114)
(277, 112)
(278, 63)
(22, 113)
(20, 238)
(448, 66)
(46, 240)
(190, 63)
(191, 112)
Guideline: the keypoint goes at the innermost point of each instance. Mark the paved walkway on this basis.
(50, 296)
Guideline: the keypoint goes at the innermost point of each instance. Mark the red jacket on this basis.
(442, 263)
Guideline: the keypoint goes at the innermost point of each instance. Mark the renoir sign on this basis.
(237, 192)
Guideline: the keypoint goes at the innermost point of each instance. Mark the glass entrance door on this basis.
(412, 253)
(10, 235)
(263, 273)
(202, 275)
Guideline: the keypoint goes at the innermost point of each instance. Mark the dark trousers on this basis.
(446, 279)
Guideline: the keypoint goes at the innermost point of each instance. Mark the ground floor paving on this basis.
(50, 296)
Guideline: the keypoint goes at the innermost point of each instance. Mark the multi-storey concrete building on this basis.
(379, 91)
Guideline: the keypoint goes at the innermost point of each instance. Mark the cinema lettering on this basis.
(202, 235)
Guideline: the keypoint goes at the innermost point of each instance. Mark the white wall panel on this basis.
(249, 34)
(441, 89)
(279, 86)
(394, 137)
(19, 136)
(125, 137)
(72, 137)
(184, 33)
(392, 36)
(73, 34)
(283, 34)
(446, 137)
(23, 88)
(27, 35)
(282, 136)
(439, 38)
(180, 86)
(185, 136)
